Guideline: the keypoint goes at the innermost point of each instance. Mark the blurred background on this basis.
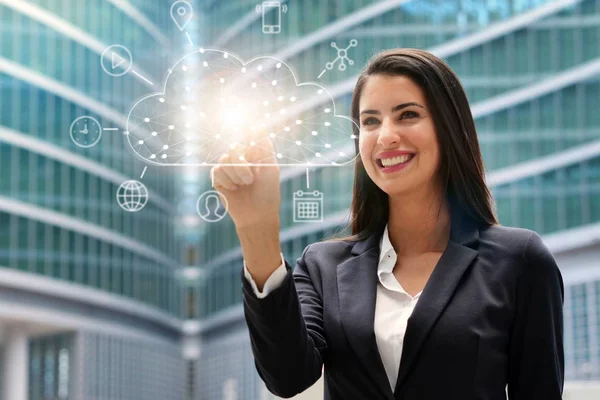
(100, 303)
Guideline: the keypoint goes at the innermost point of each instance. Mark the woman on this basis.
(429, 298)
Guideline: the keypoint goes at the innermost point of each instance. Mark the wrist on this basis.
(265, 225)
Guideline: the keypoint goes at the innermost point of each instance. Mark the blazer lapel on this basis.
(442, 283)
(357, 289)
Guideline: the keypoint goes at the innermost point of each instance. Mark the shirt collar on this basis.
(386, 249)
(387, 262)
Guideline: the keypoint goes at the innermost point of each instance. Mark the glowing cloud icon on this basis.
(213, 102)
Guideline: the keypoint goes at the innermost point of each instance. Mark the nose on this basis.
(388, 135)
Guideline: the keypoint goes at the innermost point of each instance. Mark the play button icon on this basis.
(116, 60)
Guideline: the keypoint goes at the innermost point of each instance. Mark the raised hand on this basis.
(251, 187)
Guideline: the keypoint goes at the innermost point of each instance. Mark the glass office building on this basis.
(531, 70)
(90, 307)
(100, 303)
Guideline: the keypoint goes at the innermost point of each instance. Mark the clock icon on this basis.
(86, 131)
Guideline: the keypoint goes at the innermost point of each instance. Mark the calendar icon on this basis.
(308, 206)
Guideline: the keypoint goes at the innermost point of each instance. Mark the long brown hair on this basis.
(461, 161)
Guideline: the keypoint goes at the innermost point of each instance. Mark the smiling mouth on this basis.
(394, 161)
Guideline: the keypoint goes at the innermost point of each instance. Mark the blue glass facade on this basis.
(530, 69)
(59, 217)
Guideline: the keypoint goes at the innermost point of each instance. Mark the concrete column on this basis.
(78, 365)
(15, 364)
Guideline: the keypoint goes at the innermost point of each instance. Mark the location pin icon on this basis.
(181, 13)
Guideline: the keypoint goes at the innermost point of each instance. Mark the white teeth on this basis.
(389, 162)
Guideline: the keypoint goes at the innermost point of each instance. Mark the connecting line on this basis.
(135, 72)
(143, 172)
(189, 39)
(321, 74)
(110, 129)
(307, 181)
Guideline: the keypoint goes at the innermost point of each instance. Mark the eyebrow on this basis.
(395, 109)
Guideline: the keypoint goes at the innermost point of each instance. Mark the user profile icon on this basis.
(210, 208)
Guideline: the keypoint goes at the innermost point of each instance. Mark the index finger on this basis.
(261, 149)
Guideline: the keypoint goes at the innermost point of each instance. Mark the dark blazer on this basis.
(489, 315)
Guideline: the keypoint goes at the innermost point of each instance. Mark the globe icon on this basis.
(132, 195)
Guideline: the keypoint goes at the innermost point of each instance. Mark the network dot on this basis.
(241, 158)
(244, 70)
(342, 154)
(162, 100)
(272, 135)
(222, 80)
(298, 142)
(146, 119)
(315, 133)
(328, 110)
(141, 142)
(292, 99)
(280, 98)
(327, 145)
(327, 124)
(320, 91)
(353, 136)
(252, 143)
(218, 136)
(154, 133)
(166, 146)
(265, 103)
(205, 64)
(171, 127)
(278, 65)
(153, 156)
(188, 89)
(189, 153)
(260, 68)
(164, 156)
(184, 68)
(287, 129)
(225, 55)
(279, 155)
(254, 85)
(274, 83)
(184, 108)
(202, 50)
(318, 154)
(298, 122)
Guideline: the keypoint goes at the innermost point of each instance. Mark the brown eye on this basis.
(409, 114)
(369, 121)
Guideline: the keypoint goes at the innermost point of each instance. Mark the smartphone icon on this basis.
(271, 16)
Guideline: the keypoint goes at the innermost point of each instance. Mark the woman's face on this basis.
(398, 143)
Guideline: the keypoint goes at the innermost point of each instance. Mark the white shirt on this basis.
(393, 306)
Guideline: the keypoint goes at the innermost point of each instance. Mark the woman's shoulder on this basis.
(507, 234)
(521, 244)
(331, 247)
